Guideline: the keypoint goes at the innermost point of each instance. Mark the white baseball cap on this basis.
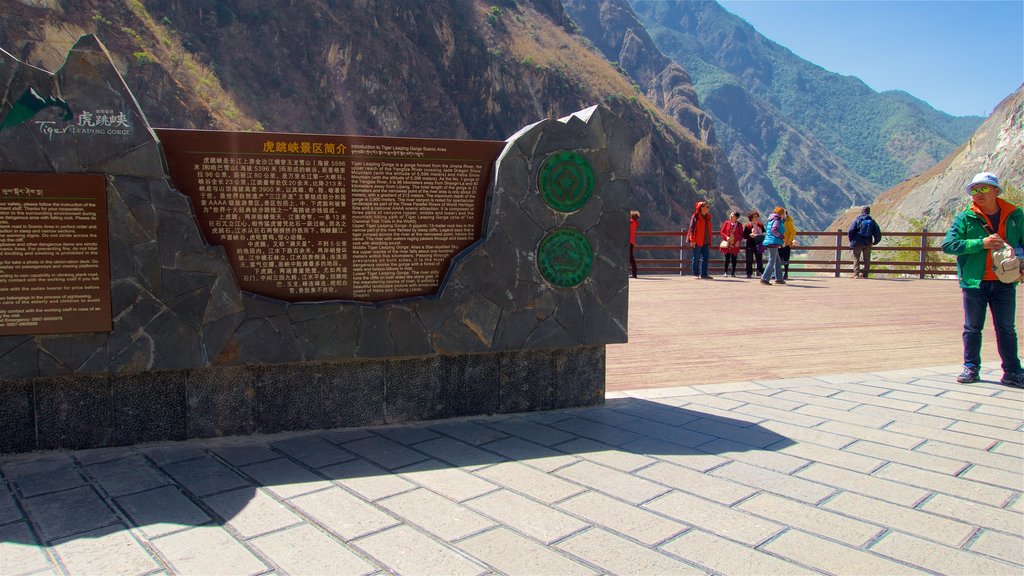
(984, 178)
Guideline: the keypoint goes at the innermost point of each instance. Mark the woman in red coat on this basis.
(732, 238)
(634, 223)
(699, 236)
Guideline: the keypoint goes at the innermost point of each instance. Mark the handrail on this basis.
(923, 263)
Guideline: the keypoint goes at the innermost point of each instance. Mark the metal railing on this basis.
(923, 253)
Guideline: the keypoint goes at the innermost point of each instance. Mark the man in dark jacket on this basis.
(863, 233)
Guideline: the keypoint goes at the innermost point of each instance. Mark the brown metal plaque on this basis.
(54, 261)
(306, 217)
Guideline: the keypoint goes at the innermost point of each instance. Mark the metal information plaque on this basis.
(307, 217)
(54, 260)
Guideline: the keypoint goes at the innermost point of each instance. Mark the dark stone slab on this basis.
(413, 389)
(175, 343)
(20, 359)
(375, 338)
(408, 334)
(17, 416)
(287, 398)
(353, 393)
(527, 380)
(221, 348)
(74, 412)
(149, 407)
(70, 512)
(71, 351)
(579, 373)
(220, 401)
(326, 337)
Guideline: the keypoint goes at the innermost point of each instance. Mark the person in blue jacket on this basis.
(774, 238)
(863, 234)
(988, 224)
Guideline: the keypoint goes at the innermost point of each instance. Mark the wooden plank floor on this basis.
(684, 331)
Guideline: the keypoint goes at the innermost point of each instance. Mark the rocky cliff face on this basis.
(452, 68)
(935, 196)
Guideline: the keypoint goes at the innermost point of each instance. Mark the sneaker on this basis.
(1013, 379)
(970, 374)
(707, 277)
(766, 283)
(780, 281)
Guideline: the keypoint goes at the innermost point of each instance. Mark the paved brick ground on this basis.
(899, 472)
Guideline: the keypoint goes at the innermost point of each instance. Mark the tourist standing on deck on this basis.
(699, 236)
(775, 234)
(863, 234)
(787, 242)
(634, 223)
(732, 238)
(753, 232)
(987, 225)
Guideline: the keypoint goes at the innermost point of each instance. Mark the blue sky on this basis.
(962, 57)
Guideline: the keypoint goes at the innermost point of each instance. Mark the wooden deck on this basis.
(684, 331)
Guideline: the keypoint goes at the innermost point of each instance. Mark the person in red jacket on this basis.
(699, 236)
(732, 238)
(634, 223)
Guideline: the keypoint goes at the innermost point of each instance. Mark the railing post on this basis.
(839, 250)
(924, 245)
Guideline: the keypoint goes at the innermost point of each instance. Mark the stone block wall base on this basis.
(77, 412)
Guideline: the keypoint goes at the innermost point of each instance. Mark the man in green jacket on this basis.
(988, 224)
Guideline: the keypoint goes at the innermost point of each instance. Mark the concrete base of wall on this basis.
(95, 411)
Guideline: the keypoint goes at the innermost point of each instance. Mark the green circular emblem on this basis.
(566, 181)
(565, 257)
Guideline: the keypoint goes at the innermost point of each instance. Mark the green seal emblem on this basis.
(565, 257)
(566, 181)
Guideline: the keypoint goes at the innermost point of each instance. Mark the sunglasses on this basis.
(981, 190)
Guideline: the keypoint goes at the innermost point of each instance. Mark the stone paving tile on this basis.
(890, 491)
(1002, 546)
(947, 436)
(1009, 449)
(908, 457)
(775, 414)
(810, 519)
(851, 417)
(60, 514)
(976, 514)
(207, 550)
(468, 431)
(343, 514)
(605, 455)
(343, 435)
(721, 520)
(981, 397)
(756, 437)
(782, 484)
(312, 451)
(669, 452)
(615, 483)
(285, 478)
(724, 415)
(827, 556)
(110, 550)
(19, 552)
(526, 516)
(533, 432)
(729, 387)
(51, 473)
(606, 415)
(637, 523)
(408, 552)
(995, 476)
(90, 456)
(917, 418)
(454, 483)
(459, 453)
(808, 397)
(811, 435)
(840, 458)
(666, 433)
(9, 511)
(704, 401)
(655, 412)
(531, 482)
(384, 452)
(306, 550)
(933, 400)
(696, 483)
(977, 417)
(162, 511)
(884, 436)
(771, 459)
(597, 431)
(436, 514)
(241, 455)
(993, 432)
(762, 398)
(407, 434)
(369, 481)
(998, 411)
(885, 400)
(531, 454)
(204, 476)
(513, 554)
(251, 513)
(723, 556)
(126, 476)
(172, 453)
(617, 555)
(938, 558)
(938, 529)
(952, 485)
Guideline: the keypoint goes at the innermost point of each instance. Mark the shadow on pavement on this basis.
(164, 488)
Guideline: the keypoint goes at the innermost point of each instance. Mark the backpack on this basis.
(1006, 265)
(866, 230)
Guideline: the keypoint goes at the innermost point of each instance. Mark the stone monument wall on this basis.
(519, 323)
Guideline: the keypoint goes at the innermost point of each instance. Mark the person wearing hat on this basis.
(863, 234)
(987, 225)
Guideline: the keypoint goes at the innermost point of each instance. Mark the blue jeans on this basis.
(774, 264)
(1002, 300)
(700, 260)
